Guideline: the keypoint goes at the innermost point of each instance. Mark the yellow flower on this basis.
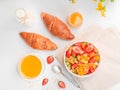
(94, 0)
(73, 1)
(103, 11)
(101, 8)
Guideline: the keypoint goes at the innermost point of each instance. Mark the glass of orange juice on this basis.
(31, 66)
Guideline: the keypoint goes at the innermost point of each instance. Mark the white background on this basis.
(12, 47)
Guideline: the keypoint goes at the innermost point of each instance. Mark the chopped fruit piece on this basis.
(89, 48)
(74, 66)
(95, 50)
(77, 50)
(79, 57)
(61, 84)
(74, 71)
(80, 71)
(83, 69)
(84, 44)
(92, 54)
(84, 61)
(79, 62)
(92, 69)
(92, 64)
(78, 44)
(92, 60)
(84, 58)
(45, 81)
(68, 53)
(71, 60)
(75, 20)
(89, 72)
(73, 53)
(97, 58)
(86, 68)
(50, 59)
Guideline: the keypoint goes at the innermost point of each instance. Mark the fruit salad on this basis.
(82, 58)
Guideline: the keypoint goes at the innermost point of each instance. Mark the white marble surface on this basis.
(12, 47)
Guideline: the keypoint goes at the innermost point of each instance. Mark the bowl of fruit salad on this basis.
(82, 59)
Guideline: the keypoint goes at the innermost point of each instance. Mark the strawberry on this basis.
(50, 59)
(89, 48)
(92, 60)
(78, 44)
(74, 66)
(78, 50)
(68, 53)
(91, 69)
(61, 84)
(83, 45)
(73, 53)
(45, 81)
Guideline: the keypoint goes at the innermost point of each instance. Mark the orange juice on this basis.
(30, 66)
(75, 19)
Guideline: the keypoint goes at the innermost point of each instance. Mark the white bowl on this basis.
(76, 75)
(40, 74)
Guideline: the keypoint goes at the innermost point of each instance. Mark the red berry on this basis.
(74, 66)
(92, 69)
(45, 81)
(78, 44)
(78, 50)
(73, 53)
(89, 48)
(61, 84)
(68, 53)
(92, 60)
(50, 59)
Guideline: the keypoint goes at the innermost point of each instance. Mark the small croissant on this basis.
(38, 41)
(56, 26)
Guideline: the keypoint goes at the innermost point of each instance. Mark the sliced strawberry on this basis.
(92, 69)
(89, 48)
(73, 53)
(68, 53)
(78, 44)
(74, 66)
(45, 81)
(50, 59)
(92, 60)
(61, 84)
(78, 50)
(89, 71)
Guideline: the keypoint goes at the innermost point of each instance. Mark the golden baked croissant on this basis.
(38, 41)
(56, 26)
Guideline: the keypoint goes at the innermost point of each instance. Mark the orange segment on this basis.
(83, 69)
(97, 58)
(75, 19)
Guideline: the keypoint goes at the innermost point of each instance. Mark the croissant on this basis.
(57, 27)
(38, 41)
